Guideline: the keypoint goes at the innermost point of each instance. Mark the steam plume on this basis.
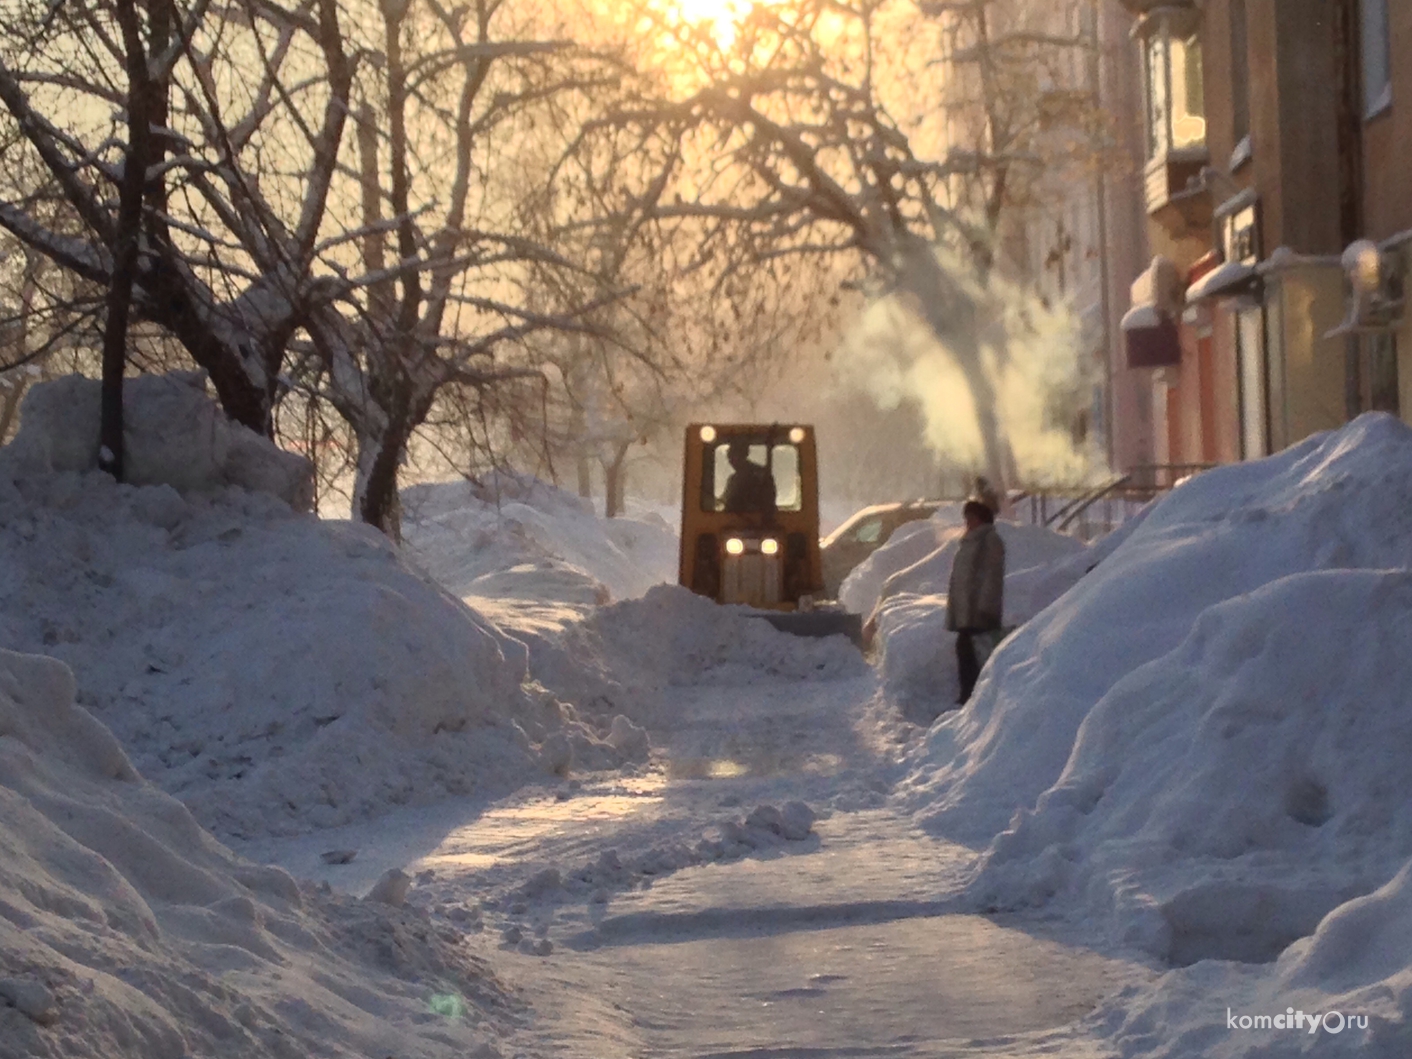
(1027, 354)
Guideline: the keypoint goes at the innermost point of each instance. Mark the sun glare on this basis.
(723, 15)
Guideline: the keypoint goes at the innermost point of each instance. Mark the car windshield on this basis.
(869, 531)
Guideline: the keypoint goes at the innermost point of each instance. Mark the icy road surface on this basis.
(630, 934)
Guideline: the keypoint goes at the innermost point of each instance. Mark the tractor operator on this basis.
(750, 486)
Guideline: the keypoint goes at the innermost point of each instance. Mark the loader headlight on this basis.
(770, 546)
(796, 435)
(708, 434)
(735, 546)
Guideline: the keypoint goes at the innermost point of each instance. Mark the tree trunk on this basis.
(951, 315)
(15, 390)
(375, 499)
(578, 438)
(171, 302)
(585, 475)
(382, 449)
(615, 481)
(125, 244)
(381, 295)
(10, 404)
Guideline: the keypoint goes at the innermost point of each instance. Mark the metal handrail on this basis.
(1081, 501)
(1141, 483)
(1091, 499)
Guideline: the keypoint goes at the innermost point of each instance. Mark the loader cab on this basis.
(750, 514)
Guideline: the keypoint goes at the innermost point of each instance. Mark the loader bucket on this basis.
(816, 623)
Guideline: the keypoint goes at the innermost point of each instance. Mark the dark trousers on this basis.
(968, 668)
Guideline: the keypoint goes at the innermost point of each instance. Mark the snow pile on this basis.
(916, 656)
(515, 536)
(173, 434)
(1264, 753)
(674, 636)
(1026, 548)
(620, 657)
(1348, 986)
(1344, 990)
(126, 932)
(1029, 591)
(909, 543)
(275, 672)
(1206, 737)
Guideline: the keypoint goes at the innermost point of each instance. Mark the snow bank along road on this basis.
(693, 907)
(654, 827)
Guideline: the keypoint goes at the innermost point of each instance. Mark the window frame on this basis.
(1159, 39)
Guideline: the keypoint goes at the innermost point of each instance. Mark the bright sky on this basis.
(723, 13)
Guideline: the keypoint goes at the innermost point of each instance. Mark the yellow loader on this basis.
(750, 525)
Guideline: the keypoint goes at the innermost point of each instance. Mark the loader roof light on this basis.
(735, 546)
(769, 546)
(708, 434)
(796, 434)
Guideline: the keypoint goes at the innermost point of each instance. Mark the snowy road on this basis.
(847, 943)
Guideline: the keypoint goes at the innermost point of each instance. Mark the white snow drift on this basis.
(126, 932)
(516, 536)
(275, 672)
(618, 659)
(1347, 989)
(173, 435)
(910, 543)
(1203, 743)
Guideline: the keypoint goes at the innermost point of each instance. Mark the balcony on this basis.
(1177, 198)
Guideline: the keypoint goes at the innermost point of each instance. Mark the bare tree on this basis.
(817, 130)
(457, 92)
(19, 365)
(145, 110)
(228, 273)
(261, 227)
(701, 319)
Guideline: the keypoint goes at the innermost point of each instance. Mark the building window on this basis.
(1189, 109)
(1240, 73)
(1158, 78)
(1377, 57)
(1176, 105)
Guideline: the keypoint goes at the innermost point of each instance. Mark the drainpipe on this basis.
(1104, 256)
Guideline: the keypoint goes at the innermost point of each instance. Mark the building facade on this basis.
(1276, 138)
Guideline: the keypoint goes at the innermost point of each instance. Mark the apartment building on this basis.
(1277, 136)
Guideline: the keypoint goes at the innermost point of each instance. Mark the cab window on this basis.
(751, 493)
